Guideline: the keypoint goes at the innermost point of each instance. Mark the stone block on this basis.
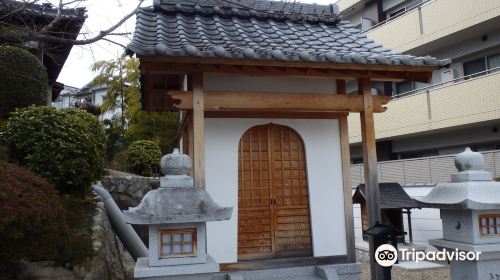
(143, 270)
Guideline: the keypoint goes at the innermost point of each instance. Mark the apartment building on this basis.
(426, 123)
(461, 106)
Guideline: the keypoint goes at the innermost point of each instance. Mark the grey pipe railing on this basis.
(124, 231)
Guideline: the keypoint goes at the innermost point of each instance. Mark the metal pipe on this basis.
(124, 231)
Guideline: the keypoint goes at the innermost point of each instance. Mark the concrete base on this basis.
(488, 266)
(349, 271)
(144, 271)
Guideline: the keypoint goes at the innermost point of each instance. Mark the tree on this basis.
(24, 80)
(64, 146)
(26, 29)
(143, 157)
(122, 75)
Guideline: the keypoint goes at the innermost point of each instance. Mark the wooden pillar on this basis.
(370, 167)
(198, 131)
(346, 174)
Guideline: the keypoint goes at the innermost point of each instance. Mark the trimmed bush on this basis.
(32, 218)
(64, 146)
(143, 157)
(24, 80)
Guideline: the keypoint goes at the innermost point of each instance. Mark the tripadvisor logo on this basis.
(386, 255)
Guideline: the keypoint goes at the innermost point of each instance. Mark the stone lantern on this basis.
(470, 213)
(176, 214)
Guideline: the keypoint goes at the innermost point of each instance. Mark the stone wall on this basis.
(128, 191)
(111, 261)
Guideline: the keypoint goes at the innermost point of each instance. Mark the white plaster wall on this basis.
(227, 82)
(322, 144)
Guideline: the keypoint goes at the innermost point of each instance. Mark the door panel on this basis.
(273, 213)
(293, 226)
(254, 212)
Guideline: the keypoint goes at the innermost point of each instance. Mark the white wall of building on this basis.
(227, 82)
(322, 145)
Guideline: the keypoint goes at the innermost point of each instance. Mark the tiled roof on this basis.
(392, 195)
(48, 11)
(258, 30)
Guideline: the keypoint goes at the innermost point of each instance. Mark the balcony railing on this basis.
(471, 100)
(429, 22)
(407, 9)
(420, 171)
(447, 83)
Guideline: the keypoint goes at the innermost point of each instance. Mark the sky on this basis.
(102, 14)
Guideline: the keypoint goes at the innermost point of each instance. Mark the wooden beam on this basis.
(370, 167)
(198, 130)
(182, 124)
(287, 71)
(278, 63)
(274, 114)
(254, 101)
(346, 176)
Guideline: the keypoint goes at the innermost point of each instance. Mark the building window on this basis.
(178, 243)
(480, 66)
(489, 225)
(407, 87)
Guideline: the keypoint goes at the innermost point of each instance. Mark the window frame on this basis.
(495, 227)
(192, 231)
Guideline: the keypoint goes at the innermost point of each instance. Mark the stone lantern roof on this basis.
(175, 201)
(470, 188)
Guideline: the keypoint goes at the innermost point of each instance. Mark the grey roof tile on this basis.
(283, 31)
(392, 195)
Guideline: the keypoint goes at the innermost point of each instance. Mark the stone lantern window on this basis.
(489, 225)
(177, 243)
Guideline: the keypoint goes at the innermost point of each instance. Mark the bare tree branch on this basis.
(58, 17)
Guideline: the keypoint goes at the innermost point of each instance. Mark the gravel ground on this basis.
(442, 273)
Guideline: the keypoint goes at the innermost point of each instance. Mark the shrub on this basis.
(24, 80)
(32, 216)
(64, 146)
(143, 156)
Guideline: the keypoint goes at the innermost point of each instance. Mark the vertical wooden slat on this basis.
(370, 164)
(346, 172)
(198, 130)
(341, 87)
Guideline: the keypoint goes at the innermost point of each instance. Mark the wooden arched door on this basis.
(273, 201)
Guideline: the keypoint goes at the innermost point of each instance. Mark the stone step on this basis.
(323, 272)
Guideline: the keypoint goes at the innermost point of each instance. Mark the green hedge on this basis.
(23, 80)
(143, 157)
(64, 146)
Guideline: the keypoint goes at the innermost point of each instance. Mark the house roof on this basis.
(392, 195)
(28, 15)
(259, 30)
